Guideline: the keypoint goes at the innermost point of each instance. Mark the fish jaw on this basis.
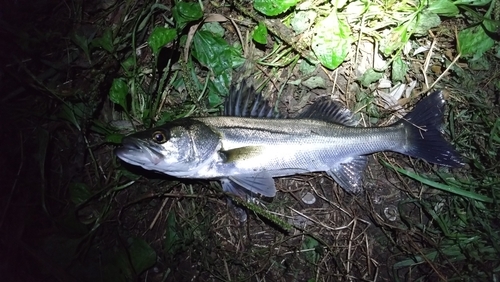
(137, 152)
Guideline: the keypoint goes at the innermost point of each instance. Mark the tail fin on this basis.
(424, 138)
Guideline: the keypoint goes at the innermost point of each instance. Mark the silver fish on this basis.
(250, 145)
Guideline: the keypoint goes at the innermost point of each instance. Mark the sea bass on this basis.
(250, 144)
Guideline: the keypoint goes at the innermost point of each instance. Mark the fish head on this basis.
(176, 148)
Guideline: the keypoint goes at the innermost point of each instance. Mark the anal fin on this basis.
(349, 173)
(250, 185)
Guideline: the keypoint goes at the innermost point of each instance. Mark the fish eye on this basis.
(159, 137)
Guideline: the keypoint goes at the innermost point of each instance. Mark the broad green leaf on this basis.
(138, 257)
(479, 63)
(160, 37)
(237, 56)
(260, 33)
(216, 54)
(128, 63)
(81, 41)
(79, 193)
(114, 138)
(443, 7)
(474, 41)
(172, 238)
(218, 87)
(394, 40)
(214, 27)
(273, 7)
(426, 21)
(212, 51)
(370, 76)
(186, 12)
(302, 20)
(399, 69)
(309, 246)
(214, 96)
(142, 255)
(105, 41)
(331, 41)
(118, 92)
(314, 82)
(305, 67)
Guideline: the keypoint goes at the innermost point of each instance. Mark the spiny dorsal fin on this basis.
(328, 110)
(244, 101)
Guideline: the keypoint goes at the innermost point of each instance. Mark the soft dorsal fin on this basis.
(244, 101)
(328, 110)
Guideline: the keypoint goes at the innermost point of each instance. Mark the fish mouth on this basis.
(138, 152)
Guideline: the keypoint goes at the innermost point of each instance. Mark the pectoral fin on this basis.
(242, 153)
(348, 174)
(250, 185)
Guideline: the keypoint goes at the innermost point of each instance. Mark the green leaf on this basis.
(215, 94)
(212, 52)
(81, 41)
(314, 82)
(79, 193)
(237, 56)
(137, 258)
(394, 40)
(214, 27)
(260, 33)
(128, 63)
(426, 21)
(118, 92)
(160, 37)
(474, 41)
(370, 76)
(172, 238)
(306, 68)
(443, 187)
(217, 55)
(184, 13)
(105, 41)
(303, 20)
(399, 69)
(142, 255)
(273, 7)
(443, 7)
(218, 87)
(309, 246)
(114, 138)
(331, 41)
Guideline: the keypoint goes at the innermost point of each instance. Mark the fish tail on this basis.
(423, 133)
